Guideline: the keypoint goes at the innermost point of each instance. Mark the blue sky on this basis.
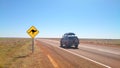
(53, 18)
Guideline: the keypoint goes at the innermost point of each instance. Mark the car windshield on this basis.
(71, 35)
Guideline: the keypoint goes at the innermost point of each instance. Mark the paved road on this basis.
(101, 56)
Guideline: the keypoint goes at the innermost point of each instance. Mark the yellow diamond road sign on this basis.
(32, 31)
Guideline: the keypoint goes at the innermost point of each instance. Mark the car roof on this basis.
(69, 33)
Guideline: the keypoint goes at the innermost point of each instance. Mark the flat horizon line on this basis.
(58, 38)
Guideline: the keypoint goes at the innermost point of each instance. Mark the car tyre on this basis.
(76, 46)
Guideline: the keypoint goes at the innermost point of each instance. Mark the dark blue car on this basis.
(68, 40)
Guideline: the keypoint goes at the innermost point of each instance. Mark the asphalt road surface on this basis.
(86, 56)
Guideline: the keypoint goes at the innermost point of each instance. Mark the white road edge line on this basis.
(88, 59)
(81, 56)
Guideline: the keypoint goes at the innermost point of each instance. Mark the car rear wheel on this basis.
(67, 46)
(76, 46)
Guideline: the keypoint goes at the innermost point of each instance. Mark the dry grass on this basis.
(16, 53)
(101, 41)
(11, 49)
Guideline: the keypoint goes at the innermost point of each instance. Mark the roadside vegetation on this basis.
(101, 41)
(12, 49)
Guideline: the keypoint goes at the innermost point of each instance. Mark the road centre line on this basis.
(52, 61)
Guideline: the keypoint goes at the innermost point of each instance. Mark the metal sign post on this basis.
(32, 31)
(32, 45)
